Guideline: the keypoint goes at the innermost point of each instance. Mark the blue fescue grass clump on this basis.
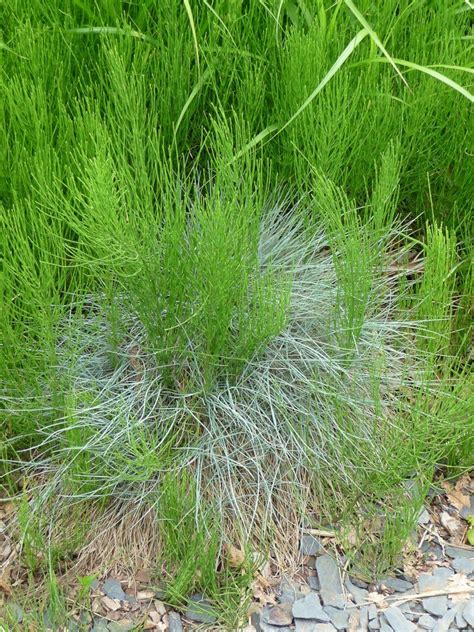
(234, 248)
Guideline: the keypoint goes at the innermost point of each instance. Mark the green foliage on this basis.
(161, 307)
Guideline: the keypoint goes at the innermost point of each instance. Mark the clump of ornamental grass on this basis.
(243, 356)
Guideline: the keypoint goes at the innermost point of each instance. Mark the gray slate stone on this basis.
(433, 550)
(100, 625)
(444, 623)
(310, 608)
(306, 625)
(460, 620)
(16, 612)
(468, 613)
(443, 571)
(278, 615)
(374, 624)
(428, 582)
(331, 587)
(359, 582)
(384, 627)
(398, 621)
(113, 589)
(289, 591)
(265, 627)
(398, 585)
(427, 622)
(313, 582)
(372, 611)
(116, 626)
(463, 565)
(310, 545)
(174, 622)
(359, 594)
(436, 605)
(200, 610)
(339, 618)
(363, 618)
(424, 517)
(454, 551)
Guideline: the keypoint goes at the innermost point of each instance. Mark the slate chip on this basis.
(200, 610)
(174, 622)
(331, 587)
(435, 605)
(113, 589)
(359, 594)
(339, 618)
(310, 545)
(398, 621)
(398, 585)
(468, 613)
(310, 608)
(463, 565)
(427, 622)
(278, 615)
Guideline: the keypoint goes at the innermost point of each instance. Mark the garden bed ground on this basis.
(432, 589)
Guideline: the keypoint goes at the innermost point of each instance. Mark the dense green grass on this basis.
(210, 212)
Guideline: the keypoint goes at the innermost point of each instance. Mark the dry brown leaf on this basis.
(6, 508)
(235, 556)
(451, 524)
(377, 598)
(145, 594)
(455, 495)
(354, 620)
(154, 616)
(96, 606)
(111, 604)
(160, 607)
(5, 586)
(144, 577)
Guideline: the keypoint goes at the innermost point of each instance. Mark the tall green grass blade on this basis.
(189, 11)
(374, 37)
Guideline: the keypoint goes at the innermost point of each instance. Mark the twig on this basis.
(320, 532)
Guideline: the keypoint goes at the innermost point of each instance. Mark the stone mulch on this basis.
(433, 589)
